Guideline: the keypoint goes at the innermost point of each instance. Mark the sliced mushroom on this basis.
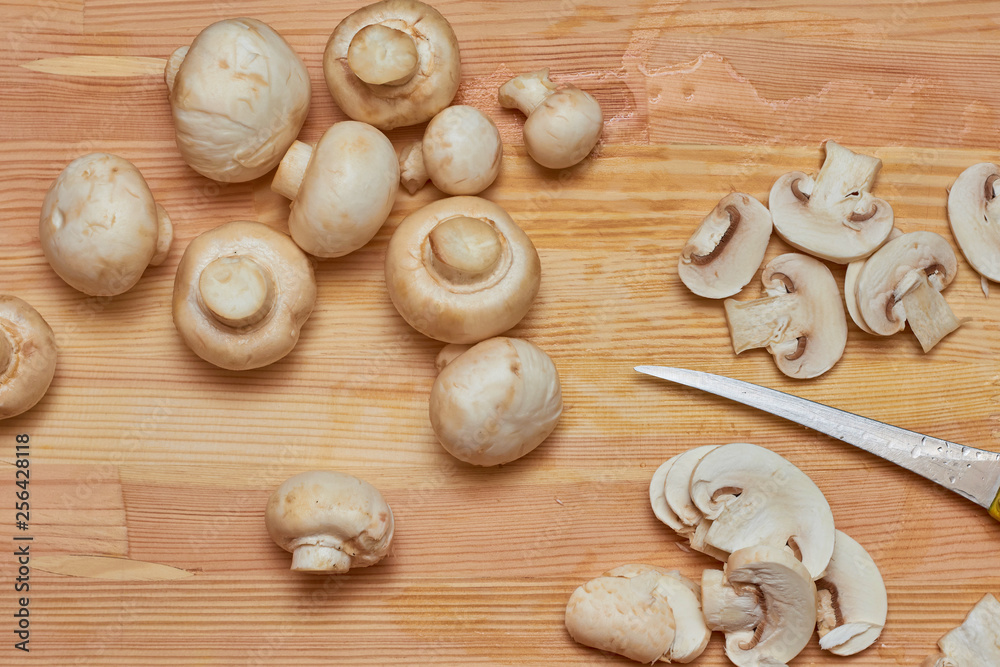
(642, 612)
(27, 356)
(342, 190)
(100, 227)
(393, 63)
(239, 96)
(780, 624)
(801, 322)
(726, 250)
(851, 287)
(853, 602)
(669, 491)
(974, 643)
(753, 496)
(729, 609)
(460, 270)
(460, 153)
(902, 282)
(974, 214)
(834, 216)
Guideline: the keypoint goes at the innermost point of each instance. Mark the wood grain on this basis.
(148, 463)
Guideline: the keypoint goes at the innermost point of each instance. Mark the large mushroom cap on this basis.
(100, 227)
(460, 270)
(241, 295)
(27, 356)
(330, 521)
(343, 193)
(726, 250)
(239, 95)
(853, 602)
(393, 63)
(834, 216)
(974, 214)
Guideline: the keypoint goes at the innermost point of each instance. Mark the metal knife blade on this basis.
(970, 472)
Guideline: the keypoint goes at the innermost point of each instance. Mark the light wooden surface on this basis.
(150, 468)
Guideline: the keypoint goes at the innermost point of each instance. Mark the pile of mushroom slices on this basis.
(892, 278)
(788, 571)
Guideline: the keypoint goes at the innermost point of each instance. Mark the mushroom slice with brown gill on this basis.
(642, 612)
(726, 250)
(496, 401)
(776, 606)
(851, 287)
(239, 96)
(342, 190)
(974, 215)
(100, 227)
(241, 295)
(853, 602)
(975, 642)
(393, 63)
(460, 270)
(669, 491)
(753, 496)
(801, 322)
(834, 216)
(460, 153)
(563, 122)
(330, 521)
(902, 283)
(27, 356)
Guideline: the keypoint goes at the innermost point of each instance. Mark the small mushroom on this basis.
(801, 322)
(834, 216)
(460, 270)
(27, 356)
(642, 612)
(902, 283)
(974, 642)
(460, 153)
(563, 122)
(853, 602)
(726, 250)
(495, 402)
(779, 597)
(239, 95)
(393, 63)
(100, 227)
(752, 496)
(241, 295)
(974, 214)
(330, 521)
(342, 190)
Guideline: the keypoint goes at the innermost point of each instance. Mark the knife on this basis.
(971, 473)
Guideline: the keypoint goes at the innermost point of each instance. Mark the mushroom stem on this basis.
(929, 315)
(6, 351)
(318, 558)
(380, 55)
(237, 291)
(763, 322)
(164, 236)
(412, 171)
(292, 169)
(173, 65)
(845, 174)
(464, 250)
(527, 91)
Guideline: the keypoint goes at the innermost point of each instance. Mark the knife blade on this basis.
(971, 473)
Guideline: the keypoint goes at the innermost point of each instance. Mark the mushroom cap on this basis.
(834, 216)
(727, 248)
(282, 264)
(888, 273)
(753, 496)
(564, 128)
(239, 99)
(451, 309)
(30, 356)
(853, 602)
(462, 150)
(496, 402)
(974, 642)
(334, 510)
(802, 321)
(99, 226)
(418, 98)
(347, 191)
(974, 216)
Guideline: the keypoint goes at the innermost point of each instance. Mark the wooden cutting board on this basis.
(150, 468)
